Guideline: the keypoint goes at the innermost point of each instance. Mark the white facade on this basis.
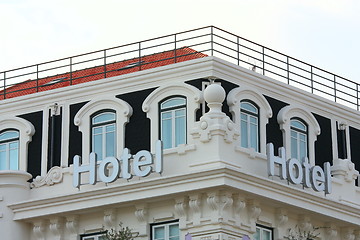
(212, 186)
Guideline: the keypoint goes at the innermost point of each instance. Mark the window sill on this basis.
(251, 152)
(180, 149)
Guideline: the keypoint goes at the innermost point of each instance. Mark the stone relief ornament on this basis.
(55, 175)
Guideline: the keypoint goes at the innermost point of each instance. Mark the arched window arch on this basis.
(295, 118)
(15, 133)
(250, 108)
(173, 121)
(249, 125)
(9, 150)
(299, 138)
(97, 115)
(103, 133)
(161, 95)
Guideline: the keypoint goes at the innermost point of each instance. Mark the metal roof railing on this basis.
(210, 41)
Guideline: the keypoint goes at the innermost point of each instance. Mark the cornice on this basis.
(253, 186)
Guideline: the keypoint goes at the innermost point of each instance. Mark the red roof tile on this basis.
(96, 73)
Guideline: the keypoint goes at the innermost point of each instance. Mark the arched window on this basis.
(299, 139)
(103, 134)
(9, 150)
(249, 125)
(173, 122)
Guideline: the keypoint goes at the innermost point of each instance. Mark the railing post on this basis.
(175, 53)
(71, 71)
(4, 85)
(357, 96)
(104, 63)
(312, 80)
(288, 70)
(263, 60)
(212, 41)
(37, 78)
(335, 88)
(238, 51)
(139, 56)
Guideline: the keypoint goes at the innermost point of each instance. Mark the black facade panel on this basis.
(34, 148)
(273, 132)
(323, 144)
(54, 146)
(137, 131)
(341, 142)
(355, 149)
(75, 136)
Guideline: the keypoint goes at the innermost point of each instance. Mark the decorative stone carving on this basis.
(357, 234)
(55, 175)
(281, 217)
(240, 204)
(331, 231)
(213, 200)
(348, 234)
(254, 210)
(109, 218)
(56, 227)
(194, 203)
(344, 169)
(39, 229)
(215, 122)
(226, 200)
(72, 224)
(305, 223)
(180, 206)
(141, 212)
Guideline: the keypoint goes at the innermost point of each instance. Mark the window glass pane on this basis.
(110, 144)
(166, 133)
(174, 232)
(3, 147)
(180, 130)
(14, 159)
(104, 117)
(9, 135)
(173, 102)
(3, 161)
(302, 149)
(297, 124)
(257, 234)
(97, 146)
(97, 130)
(249, 107)
(159, 233)
(294, 146)
(253, 136)
(110, 128)
(266, 235)
(244, 134)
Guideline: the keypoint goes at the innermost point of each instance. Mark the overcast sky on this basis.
(325, 33)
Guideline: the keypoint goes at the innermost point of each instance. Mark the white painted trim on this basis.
(151, 107)
(82, 120)
(26, 131)
(238, 94)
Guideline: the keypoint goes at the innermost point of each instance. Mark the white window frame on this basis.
(264, 229)
(167, 227)
(82, 119)
(284, 117)
(151, 108)
(103, 126)
(26, 131)
(243, 93)
(249, 115)
(172, 110)
(298, 132)
(92, 236)
(7, 143)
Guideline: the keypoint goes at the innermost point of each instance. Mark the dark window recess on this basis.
(54, 140)
(355, 149)
(137, 131)
(341, 141)
(34, 148)
(273, 132)
(75, 136)
(323, 144)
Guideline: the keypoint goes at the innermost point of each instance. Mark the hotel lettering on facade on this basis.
(194, 135)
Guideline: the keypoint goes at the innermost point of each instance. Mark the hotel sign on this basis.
(142, 165)
(298, 172)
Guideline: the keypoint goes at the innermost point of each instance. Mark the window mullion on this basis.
(173, 130)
